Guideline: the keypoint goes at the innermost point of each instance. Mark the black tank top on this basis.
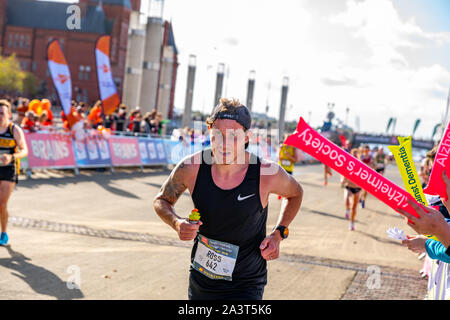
(8, 144)
(235, 216)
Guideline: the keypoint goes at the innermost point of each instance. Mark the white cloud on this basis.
(393, 86)
(357, 57)
(379, 24)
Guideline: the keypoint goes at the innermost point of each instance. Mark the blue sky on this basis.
(432, 15)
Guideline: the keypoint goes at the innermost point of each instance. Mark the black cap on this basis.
(240, 114)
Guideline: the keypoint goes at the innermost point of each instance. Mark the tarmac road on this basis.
(99, 230)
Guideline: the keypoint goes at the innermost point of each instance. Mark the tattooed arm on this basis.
(179, 180)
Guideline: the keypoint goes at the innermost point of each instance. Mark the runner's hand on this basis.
(6, 158)
(187, 231)
(270, 247)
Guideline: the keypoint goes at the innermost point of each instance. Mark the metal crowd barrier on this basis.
(62, 150)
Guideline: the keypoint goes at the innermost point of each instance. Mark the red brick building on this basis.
(27, 26)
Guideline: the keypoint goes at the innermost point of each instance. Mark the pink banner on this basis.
(49, 150)
(307, 139)
(124, 151)
(436, 185)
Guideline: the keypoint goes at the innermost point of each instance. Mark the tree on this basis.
(31, 84)
(11, 76)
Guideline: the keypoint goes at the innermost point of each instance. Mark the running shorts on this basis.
(9, 173)
(353, 190)
(244, 292)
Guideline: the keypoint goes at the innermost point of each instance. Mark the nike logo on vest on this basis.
(243, 198)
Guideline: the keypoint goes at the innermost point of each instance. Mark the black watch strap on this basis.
(284, 231)
(447, 252)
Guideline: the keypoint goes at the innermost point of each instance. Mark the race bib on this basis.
(215, 259)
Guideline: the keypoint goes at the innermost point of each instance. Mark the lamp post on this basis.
(189, 91)
(250, 89)
(219, 83)
(284, 92)
(347, 110)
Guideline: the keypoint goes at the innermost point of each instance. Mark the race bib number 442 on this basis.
(215, 259)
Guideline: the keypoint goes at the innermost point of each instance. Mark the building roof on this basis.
(124, 3)
(53, 15)
(94, 20)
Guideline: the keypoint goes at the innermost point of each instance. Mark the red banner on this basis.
(49, 150)
(124, 151)
(59, 70)
(436, 185)
(307, 139)
(108, 92)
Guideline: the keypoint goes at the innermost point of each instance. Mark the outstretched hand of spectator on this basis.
(446, 202)
(430, 220)
(415, 244)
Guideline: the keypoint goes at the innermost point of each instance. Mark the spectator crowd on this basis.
(37, 115)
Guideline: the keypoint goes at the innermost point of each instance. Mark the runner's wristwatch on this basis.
(284, 231)
(447, 252)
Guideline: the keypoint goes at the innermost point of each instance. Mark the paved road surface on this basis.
(100, 230)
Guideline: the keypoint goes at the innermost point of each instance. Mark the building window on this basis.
(21, 41)
(85, 95)
(10, 40)
(80, 75)
(27, 41)
(33, 66)
(23, 65)
(84, 73)
(88, 71)
(16, 40)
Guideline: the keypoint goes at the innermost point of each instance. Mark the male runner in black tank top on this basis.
(12, 147)
(230, 188)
